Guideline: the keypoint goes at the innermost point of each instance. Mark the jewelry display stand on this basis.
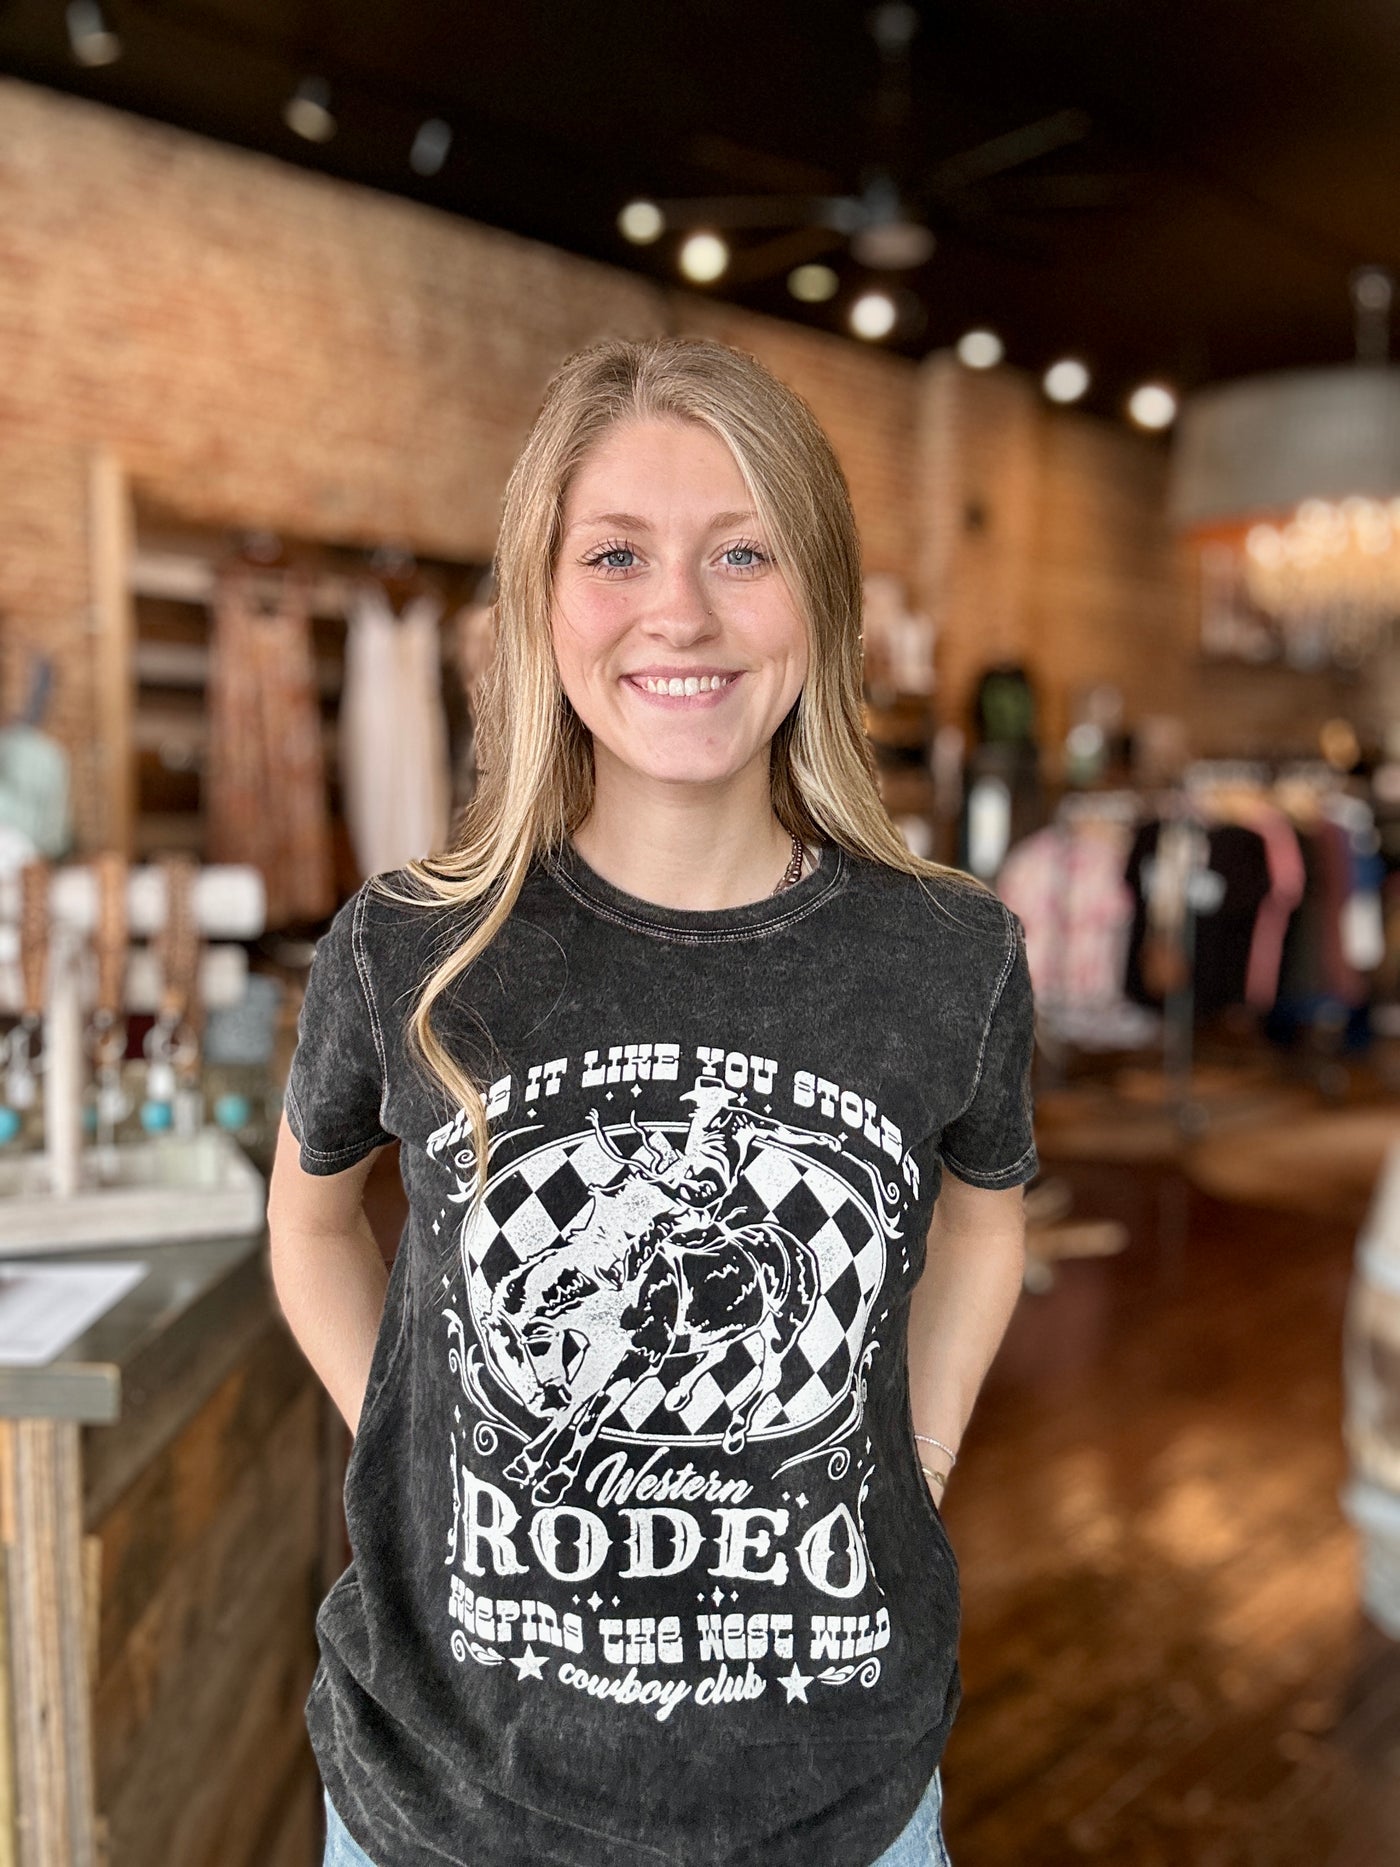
(194, 1182)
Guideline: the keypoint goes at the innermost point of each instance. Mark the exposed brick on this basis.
(258, 344)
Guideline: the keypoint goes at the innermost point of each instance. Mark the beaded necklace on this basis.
(794, 868)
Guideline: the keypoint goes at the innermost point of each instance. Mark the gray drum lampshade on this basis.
(1262, 445)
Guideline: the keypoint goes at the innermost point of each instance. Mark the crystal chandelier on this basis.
(1303, 467)
(1332, 570)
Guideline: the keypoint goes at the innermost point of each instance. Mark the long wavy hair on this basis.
(535, 756)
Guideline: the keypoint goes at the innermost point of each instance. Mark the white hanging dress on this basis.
(395, 776)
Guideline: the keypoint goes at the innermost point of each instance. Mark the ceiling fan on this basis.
(891, 224)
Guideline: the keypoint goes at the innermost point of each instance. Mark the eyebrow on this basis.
(633, 523)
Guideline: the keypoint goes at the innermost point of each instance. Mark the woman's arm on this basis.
(327, 1269)
(961, 1306)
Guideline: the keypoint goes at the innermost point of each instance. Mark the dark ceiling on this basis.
(1238, 161)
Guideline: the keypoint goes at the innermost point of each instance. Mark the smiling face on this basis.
(677, 638)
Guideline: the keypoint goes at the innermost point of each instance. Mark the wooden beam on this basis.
(111, 527)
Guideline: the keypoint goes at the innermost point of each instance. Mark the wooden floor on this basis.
(1163, 1656)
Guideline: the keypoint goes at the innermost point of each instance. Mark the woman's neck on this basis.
(681, 848)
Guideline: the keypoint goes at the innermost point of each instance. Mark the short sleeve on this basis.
(335, 1082)
(992, 1142)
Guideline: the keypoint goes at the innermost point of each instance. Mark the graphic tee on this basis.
(644, 1568)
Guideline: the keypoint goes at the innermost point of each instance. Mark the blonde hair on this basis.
(535, 756)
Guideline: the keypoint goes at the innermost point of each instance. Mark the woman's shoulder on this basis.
(954, 900)
(401, 912)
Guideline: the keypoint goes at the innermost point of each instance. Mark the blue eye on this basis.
(603, 560)
(753, 552)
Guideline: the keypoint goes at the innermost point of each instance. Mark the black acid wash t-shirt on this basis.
(644, 1570)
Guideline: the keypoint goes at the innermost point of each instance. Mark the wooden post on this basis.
(46, 1629)
(110, 533)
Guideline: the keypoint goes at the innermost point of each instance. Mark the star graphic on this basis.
(796, 1683)
(595, 1601)
(529, 1664)
(802, 1500)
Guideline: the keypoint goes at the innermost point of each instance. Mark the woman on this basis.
(678, 1039)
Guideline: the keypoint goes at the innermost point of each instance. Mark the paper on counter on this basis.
(44, 1307)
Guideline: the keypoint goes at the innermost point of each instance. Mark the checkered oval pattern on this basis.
(534, 1202)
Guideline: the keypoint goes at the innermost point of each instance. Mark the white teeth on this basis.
(690, 684)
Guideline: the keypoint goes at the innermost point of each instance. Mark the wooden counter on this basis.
(170, 1518)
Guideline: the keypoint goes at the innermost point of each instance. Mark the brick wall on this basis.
(1042, 538)
(257, 344)
(261, 345)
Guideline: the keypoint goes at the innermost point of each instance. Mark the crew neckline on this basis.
(697, 926)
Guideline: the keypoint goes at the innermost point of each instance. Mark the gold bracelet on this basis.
(939, 1478)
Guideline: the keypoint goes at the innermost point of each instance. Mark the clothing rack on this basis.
(1177, 1026)
(173, 568)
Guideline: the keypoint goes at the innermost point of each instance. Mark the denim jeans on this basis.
(920, 1844)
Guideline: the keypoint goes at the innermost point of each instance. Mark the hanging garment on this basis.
(395, 775)
(1363, 920)
(1334, 847)
(1067, 886)
(1223, 890)
(265, 797)
(1286, 880)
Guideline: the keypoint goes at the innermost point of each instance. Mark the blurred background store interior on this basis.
(1096, 304)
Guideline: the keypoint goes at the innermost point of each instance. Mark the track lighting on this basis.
(1152, 405)
(704, 257)
(980, 350)
(641, 222)
(873, 316)
(430, 147)
(91, 40)
(1066, 380)
(813, 284)
(308, 111)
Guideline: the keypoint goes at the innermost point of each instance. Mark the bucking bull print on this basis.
(655, 1276)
